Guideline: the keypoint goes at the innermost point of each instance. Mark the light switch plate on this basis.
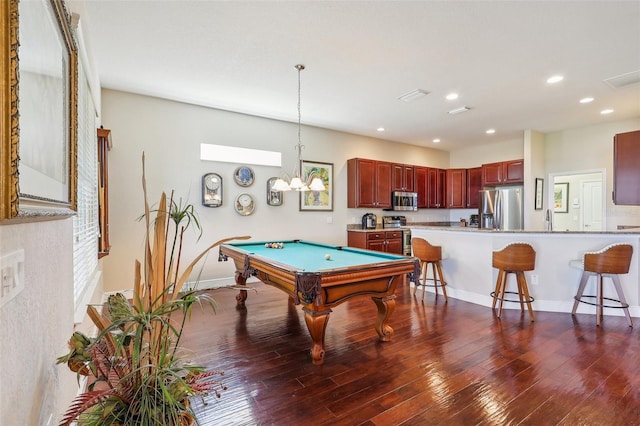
(11, 275)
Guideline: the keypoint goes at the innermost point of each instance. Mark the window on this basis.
(85, 223)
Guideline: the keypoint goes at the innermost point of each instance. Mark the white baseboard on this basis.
(538, 305)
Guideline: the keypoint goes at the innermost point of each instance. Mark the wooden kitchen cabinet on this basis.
(474, 184)
(436, 188)
(385, 241)
(368, 183)
(456, 188)
(626, 168)
(430, 186)
(503, 173)
(402, 177)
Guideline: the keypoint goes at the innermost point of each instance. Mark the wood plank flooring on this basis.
(449, 363)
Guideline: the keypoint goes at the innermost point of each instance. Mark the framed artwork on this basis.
(274, 198)
(317, 200)
(561, 197)
(40, 97)
(539, 190)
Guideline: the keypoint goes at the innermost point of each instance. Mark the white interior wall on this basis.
(36, 325)
(170, 134)
(591, 148)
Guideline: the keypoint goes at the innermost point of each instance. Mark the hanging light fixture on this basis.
(297, 181)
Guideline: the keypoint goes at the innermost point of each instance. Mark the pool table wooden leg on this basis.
(242, 294)
(317, 325)
(386, 306)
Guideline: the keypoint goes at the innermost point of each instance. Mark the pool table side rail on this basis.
(305, 286)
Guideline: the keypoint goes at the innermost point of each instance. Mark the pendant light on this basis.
(296, 182)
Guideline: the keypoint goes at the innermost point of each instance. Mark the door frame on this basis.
(554, 175)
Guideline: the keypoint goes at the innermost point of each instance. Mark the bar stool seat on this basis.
(514, 258)
(429, 255)
(608, 262)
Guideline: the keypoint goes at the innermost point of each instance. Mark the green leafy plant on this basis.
(138, 373)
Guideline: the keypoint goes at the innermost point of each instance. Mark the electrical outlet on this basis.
(11, 275)
(534, 279)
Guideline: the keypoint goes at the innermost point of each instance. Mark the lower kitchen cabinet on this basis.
(386, 241)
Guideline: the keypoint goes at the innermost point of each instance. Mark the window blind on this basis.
(85, 223)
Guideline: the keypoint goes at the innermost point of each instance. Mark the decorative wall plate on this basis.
(244, 176)
(244, 204)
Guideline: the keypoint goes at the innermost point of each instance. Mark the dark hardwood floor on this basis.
(449, 363)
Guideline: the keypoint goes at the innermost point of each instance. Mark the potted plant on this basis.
(138, 374)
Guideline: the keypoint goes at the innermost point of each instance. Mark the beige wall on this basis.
(170, 134)
(591, 148)
(36, 324)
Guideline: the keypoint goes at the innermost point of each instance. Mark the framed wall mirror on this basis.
(39, 111)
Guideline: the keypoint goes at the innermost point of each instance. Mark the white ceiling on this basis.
(362, 55)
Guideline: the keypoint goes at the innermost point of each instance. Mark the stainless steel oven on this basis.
(406, 242)
(398, 222)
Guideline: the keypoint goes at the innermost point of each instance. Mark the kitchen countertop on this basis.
(522, 231)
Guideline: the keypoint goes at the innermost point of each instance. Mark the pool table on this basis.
(320, 276)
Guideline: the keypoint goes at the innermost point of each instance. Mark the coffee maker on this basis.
(369, 221)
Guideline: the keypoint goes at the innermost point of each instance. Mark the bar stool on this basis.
(514, 258)
(608, 262)
(429, 255)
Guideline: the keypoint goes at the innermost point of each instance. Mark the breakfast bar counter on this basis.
(553, 283)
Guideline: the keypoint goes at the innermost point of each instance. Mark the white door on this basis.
(592, 206)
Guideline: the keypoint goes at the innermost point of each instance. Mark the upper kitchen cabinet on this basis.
(430, 186)
(402, 178)
(435, 188)
(503, 173)
(474, 184)
(626, 169)
(456, 188)
(368, 183)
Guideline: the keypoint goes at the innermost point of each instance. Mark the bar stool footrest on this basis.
(620, 306)
(531, 299)
(432, 283)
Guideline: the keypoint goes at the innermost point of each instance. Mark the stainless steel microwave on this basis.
(404, 201)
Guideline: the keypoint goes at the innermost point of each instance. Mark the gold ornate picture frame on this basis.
(38, 157)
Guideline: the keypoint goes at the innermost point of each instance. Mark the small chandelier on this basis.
(296, 181)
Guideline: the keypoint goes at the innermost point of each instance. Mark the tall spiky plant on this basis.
(140, 377)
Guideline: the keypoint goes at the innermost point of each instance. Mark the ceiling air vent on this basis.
(459, 110)
(413, 95)
(624, 80)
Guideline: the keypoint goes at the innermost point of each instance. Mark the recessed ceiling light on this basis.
(380, 129)
(555, 79)
(436, 140)
(459, 110)
(606, 111)
(452, 96)
(413, 95)
(586, 100)
(490, 131)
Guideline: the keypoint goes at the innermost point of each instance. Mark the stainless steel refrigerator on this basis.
(501, 208)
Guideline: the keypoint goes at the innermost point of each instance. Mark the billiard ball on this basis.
(327, 256)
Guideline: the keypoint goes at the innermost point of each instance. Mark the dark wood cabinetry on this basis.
(402, 177)
(430, 186)
(456, 188)
(626, 168)
(474, 184)
(368, 183)
(503, 173)
(371, 182)
(436, 188)
(386, 241)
